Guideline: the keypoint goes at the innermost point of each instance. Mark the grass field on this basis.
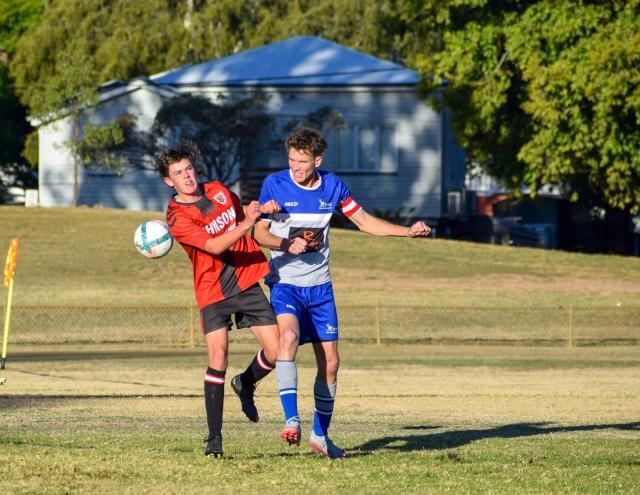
(86, 256)
(414, 418)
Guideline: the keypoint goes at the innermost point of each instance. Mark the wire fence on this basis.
(376, 323)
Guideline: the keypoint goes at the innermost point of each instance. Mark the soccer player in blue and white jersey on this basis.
(300, 282)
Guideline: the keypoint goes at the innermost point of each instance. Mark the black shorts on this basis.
(250, 307)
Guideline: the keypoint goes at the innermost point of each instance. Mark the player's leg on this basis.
(263, 363)
(215, 320)
(217, 351)
(324, 389)
(287, 376)
(288, 307)
(324, 394)
(255, 312)
(324, 317)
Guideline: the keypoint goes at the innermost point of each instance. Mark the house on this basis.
(393, 151)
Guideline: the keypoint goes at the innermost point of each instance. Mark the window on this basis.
(366, 149)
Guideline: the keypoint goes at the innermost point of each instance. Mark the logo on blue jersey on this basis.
(291, 203)
(325, 206)
(331, 329)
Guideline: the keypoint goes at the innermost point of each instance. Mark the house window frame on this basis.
(355, 131)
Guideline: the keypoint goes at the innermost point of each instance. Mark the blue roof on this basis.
(298, 61)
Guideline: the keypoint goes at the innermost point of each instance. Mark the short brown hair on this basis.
(168, 156)
(306, 139)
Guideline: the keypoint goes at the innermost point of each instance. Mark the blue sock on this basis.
(324, 397)
(287, 377)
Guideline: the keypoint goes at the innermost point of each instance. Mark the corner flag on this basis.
(10, 264)
(9, 272)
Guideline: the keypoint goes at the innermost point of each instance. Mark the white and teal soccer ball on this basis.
(152, 239)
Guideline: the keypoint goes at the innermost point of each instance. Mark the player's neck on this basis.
(312, 181)
(189, 197)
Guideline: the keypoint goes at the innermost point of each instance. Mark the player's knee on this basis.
(332, 365)
(218, 358)
(288, 340)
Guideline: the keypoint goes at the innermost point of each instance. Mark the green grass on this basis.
(86, 256)
(124, 418)
(446, 420)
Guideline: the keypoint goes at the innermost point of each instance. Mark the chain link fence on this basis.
(375, 323)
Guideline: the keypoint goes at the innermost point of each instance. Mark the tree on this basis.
(119, 39)
(584, 100)
(541, 92)
(13, 126)
(224, 132)
(66, 94)
(17, 17)
(115, 146)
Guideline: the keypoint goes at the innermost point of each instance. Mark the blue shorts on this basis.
(314, 307)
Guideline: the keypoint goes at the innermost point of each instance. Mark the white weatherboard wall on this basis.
(375, 98)
(134, 189)
(55, 171)
(417, 181)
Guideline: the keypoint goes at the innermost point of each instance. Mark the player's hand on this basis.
(270, 207)
(419, 229)
(252, 212)
(294, 246)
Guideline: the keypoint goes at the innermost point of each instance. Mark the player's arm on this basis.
(265, 238)
(267, 208)
(218, 245)
(377, 226)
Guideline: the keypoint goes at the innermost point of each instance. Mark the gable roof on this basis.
(297, 61)
(108, 91)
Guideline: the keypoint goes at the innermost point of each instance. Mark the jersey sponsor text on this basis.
(219, 223)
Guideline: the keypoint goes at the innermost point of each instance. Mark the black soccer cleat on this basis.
(246, 398)
(213, 449)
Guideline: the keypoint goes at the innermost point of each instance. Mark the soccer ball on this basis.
(152, 239)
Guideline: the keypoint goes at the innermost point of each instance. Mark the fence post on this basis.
(378, 320)
(571, 331)
(192, 327)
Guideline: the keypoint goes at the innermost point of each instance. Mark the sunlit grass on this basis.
(458, 419)
(86, 256)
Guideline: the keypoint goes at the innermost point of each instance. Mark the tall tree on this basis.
(224, 132)
(542, 92)
(17, 17)
(121, 39)
(65, 94)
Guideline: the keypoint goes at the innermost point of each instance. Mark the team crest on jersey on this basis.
(325, 206)
(221, 198)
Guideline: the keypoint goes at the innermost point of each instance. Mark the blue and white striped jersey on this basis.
(306, 213)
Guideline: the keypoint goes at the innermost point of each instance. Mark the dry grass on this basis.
(416, 419)
(447, 383)
(429, 419)
(86, 255)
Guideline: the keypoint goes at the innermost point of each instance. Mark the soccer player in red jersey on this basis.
(213, 228)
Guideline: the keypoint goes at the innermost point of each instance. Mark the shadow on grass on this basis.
(453, 439)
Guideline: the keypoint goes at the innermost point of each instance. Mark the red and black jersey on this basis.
(192, 224)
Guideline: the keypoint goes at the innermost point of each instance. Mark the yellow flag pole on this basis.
(7, 319)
